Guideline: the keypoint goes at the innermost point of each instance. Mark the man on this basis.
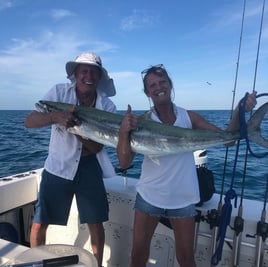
(72, 166)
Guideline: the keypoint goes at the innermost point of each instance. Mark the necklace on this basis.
(93, 103)
(169, 117)
(83, 99)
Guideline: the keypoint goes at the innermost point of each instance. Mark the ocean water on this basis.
(22, 150)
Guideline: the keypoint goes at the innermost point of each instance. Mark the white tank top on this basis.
(170, 182)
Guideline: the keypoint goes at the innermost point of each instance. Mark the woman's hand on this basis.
(251, 102)
(129, 122)
(124, 151)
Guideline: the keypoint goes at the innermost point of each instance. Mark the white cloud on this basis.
(138, 19)
(4, 4)
(30, 67)
(61, 13)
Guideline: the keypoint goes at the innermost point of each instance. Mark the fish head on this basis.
(42, 107)
(49, 106)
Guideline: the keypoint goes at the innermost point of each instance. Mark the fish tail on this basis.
(254, 126)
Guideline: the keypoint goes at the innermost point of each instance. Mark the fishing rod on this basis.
(227, 207)
(262, 232)
(238, 221)
(262, 227)
(213, 219)
(238, 229)
(216, 214)
(198, 219)
(239, 224)
(225, 215)
(258, 50)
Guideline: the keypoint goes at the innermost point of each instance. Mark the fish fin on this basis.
(254, 126)
(154, 159)
(60, 128)
(147, 115)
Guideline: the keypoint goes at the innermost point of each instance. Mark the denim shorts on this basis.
(143, 206)
(56, 195)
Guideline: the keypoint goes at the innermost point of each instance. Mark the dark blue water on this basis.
(24, 149)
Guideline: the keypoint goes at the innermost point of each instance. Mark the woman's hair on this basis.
(158, 70)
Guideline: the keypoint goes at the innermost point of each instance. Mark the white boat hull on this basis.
(118, 230)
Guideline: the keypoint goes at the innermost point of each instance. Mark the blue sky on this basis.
(197, 41)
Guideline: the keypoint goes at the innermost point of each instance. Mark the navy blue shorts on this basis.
(143, 206)
(56, 195)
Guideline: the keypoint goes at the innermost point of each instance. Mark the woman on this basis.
(167, 187)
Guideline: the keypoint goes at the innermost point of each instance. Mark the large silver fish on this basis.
(152, 138)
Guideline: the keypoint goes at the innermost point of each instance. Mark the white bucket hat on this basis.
(106, 84)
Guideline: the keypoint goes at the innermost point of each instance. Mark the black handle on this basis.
(61, 261)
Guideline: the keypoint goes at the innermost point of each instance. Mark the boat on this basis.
(18, 194)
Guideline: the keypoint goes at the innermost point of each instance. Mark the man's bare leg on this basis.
(97, 241)
(38, 234)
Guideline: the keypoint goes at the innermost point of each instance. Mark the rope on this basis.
(225, 221)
